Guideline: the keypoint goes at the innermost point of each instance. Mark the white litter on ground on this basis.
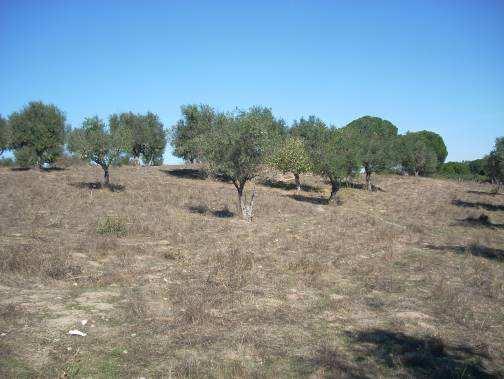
(77, 333)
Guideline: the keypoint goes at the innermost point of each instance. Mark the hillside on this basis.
(405, 281)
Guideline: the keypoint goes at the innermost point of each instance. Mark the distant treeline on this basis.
(237, 143)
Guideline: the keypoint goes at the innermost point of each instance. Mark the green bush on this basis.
(112, 226)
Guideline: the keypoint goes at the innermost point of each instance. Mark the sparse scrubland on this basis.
(404, 281)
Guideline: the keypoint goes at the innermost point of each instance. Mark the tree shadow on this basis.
(485, 193)
(20, 168)
(272, 183)
(334, 364)
(51, 169)
(487, 206)
(421, 357)
(186, 173)
(204, 210)
(98, 186)
(482, 221)
(310, 199)
(474, 249)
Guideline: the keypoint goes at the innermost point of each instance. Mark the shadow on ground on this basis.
(487, 206)
(272, 183)
(474, 249)
(98, 186)
(186, 173)
(204, 210)
(485, 193)
(483, 221)
(420, 357)
(310, 199)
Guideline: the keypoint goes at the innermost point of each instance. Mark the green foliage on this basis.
(337, 157)
(435, 142)
(453, 169)
(478, 166)
(311, 131)
(374, 139)
(4, 135)
(187, 133)
(292, 156)
(415, 156)
(238, 144)
(146, 138)
(496, 161)
(97, 143)
(37, 133)
(112, 225)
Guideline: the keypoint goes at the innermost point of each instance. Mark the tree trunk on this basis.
(246, 210)
(335, 186)
(106, 178)
(297, 181)
(369, 184)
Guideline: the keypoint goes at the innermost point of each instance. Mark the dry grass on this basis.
(404, 282)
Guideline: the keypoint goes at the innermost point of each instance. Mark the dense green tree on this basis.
(292, 156)
(496, 163)
(97, 143)
(435, 142)
(454, 169)
(37, 133)
(187, 133)
(415, 156)
(237, 145)
(336, 155)
(375, 139)
(4, 135)
(311, 131)
(145, 133)
(478, 166)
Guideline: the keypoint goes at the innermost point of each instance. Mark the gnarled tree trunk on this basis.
(335, 186)
(106, 177)
(369, 183)
(297, 182)
(245, 209)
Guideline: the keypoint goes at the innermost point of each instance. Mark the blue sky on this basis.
(436, 65)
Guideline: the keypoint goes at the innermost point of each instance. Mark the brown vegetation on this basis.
(407, 281)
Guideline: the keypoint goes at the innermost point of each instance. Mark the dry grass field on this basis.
(403, 282)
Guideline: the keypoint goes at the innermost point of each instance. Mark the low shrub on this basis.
(112, 226)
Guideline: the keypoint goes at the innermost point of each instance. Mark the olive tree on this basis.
(37, 134)
(496, 163)
(187, 133)
(99, 144)
(311, 131)
(145, 134)
(292, 156)
(336, 157)
(375, 138)
(415, 156)
(237, 145)
(4, 135)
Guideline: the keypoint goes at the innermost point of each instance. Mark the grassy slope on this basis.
(391, 283)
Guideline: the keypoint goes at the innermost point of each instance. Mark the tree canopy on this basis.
(4, 135)
(37, 133)
(374, 139)
(337, 158)
(237, 145)
(146, 138)
(187, 133)
(415, 156)
(292, 156)
(435, 142)
(97, 143)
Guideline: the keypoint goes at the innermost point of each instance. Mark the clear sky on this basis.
(436, 65)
